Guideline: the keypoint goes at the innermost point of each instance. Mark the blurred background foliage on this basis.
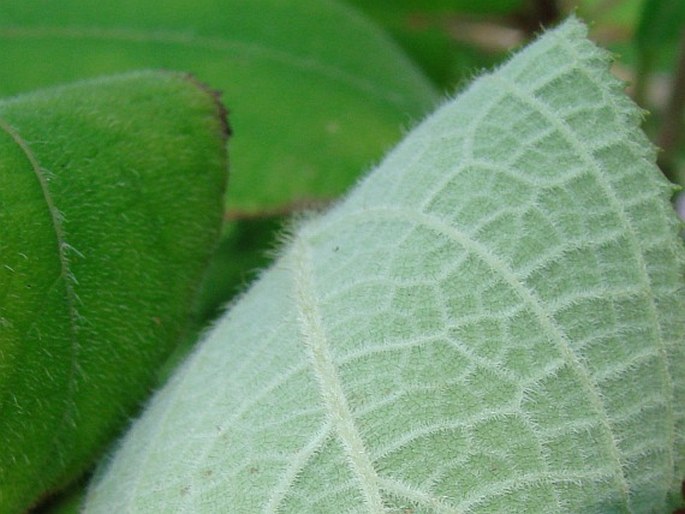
(450, 42)
(453, 41)
(319, 90)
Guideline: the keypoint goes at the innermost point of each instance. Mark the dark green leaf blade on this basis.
(317, 92)
(110, 204)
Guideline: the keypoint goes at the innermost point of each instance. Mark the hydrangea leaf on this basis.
(111, 200)
(312, 112)
(492, 321)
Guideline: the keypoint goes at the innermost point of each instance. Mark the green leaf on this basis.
(241, 254)
(244, 250)
(423, 31)
(110, 205)
(317, 93)
(491, 322)
(388, 9)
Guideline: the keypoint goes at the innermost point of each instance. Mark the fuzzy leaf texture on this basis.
(111, 195)
(492, 321)
(312, 112)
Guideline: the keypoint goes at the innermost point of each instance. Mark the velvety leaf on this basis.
(492, 321)
(316, 92)
(246, 247)
(110, 205)
(244, 250)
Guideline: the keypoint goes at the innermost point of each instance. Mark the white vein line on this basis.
(577, 144)
(466, 146)
(529, 297)
(567, 300)
(295, 467)
(332, 393)
(213, 43)
(393, 485)
(71, 297)
(571, 245)
(518, 482)
(426, 431)
(389, 346)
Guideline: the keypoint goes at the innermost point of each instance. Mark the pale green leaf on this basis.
(110, 206)
(316, 92)
(491, 322)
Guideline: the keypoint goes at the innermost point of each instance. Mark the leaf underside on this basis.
(492, 321)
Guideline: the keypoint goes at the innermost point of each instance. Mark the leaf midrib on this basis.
(65, 272)
(330, 386)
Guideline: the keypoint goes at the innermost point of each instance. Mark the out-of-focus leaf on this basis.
(610, 14)
(243, 251)
(388, 9)
(316, 92)
(424, 31)
(111, 199)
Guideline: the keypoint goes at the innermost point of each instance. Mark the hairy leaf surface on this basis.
(111, 199)
(492, 321)
(316, 92)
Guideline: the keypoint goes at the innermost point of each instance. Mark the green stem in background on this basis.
(645, 61)
(672, 127)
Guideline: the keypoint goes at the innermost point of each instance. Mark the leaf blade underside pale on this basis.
(111, 201)
(492, 321)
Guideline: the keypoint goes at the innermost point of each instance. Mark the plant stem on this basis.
(642, 73)
(672, 127)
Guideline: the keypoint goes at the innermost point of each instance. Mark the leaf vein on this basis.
(633, 240)
(331, 389)
(529, 297)
(71, 298)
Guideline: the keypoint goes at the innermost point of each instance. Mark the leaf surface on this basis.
(317, 93)
(492, 321)
(111, 200)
